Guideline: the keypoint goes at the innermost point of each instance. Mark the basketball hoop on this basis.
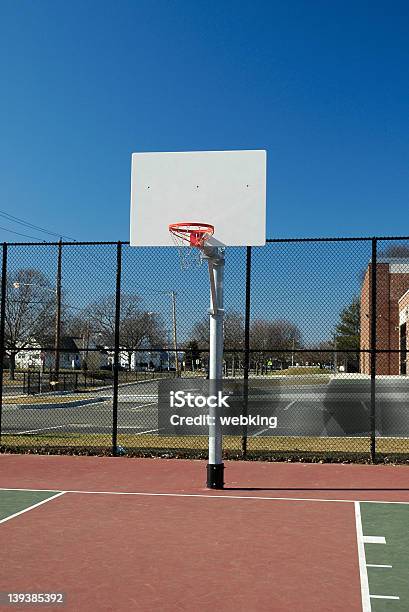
(190, 238)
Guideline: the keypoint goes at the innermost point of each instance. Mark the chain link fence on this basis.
(316, 329)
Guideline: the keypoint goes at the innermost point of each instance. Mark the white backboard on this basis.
(224, 188)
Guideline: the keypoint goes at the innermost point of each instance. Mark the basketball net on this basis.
(190, 238)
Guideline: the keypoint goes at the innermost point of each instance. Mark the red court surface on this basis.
(144, 534)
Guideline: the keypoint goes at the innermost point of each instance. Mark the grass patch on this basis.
(293, 380)
(230, 443)
(60, 440)
(299, 371)
(266, 447)
(259, 443)
(25, 400)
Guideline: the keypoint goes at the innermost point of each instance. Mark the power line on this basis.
(6, 229)
(28, 224)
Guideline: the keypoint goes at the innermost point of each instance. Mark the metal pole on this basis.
(58, 314)
(246, 365)
(373, 348)
(2, 326)
(215, 467)
(116, 349)
(175, 341)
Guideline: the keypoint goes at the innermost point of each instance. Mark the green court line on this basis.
(392, 522)
(12, 502)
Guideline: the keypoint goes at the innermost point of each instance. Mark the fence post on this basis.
(116, 349)
(2, 324)
(246, 364)
(373, 315)
(57, 338)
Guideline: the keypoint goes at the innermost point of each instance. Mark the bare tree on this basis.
(395, 249)
(137, 327)
(192, 355)
(77, 326)
(233, 339)
(321, 353)
(200, 333)
(274, 340)
(140, 329)
(233, 329)
(30, 312)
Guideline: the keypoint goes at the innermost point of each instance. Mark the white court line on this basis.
(374, 540)
(8, 518)
(142, 406)
(126, 399)
(140, 433)
(137, 433)
(86, 425)
(366, 606)
(258, 433)
(97, 402)
(376, 565)
(30, 431)
(215, 496)
(366, 602)
(290, 404)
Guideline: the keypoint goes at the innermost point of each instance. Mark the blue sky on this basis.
(323, 86)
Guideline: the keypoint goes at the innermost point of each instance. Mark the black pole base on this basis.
(215, 476)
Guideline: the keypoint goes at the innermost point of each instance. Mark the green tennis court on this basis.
(13, 503)
(386, 536)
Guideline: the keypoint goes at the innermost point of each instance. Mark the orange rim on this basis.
(194, 233)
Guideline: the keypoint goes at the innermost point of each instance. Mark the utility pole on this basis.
(57, 340)
(292, 353)
(85, 341)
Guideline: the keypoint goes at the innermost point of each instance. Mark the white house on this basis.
(72, 355)
(146, 359)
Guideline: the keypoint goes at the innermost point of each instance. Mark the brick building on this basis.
(404, 332)
(392, 285)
